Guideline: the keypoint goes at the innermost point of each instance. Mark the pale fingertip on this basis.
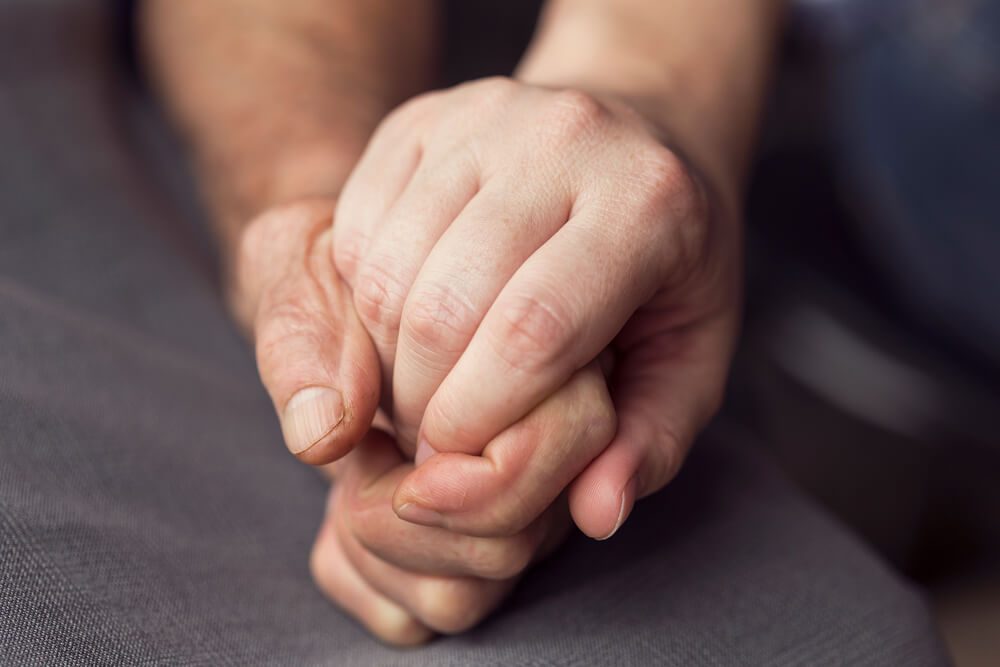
(624, 508)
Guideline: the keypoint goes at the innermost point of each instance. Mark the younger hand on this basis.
(498, 237)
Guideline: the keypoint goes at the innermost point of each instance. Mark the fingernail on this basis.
(627, 501)
(416, 514)
(309, 416)
(424, 452)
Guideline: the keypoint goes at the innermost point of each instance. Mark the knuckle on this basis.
(530, 331)
(449, 606)
(596, 411)
(348, 253)
(353, 512)
(601, 424)
(673, 209)
(275, 241)
(400, 116)
(290, 312)
(508, 519)
(260, 242)
(495, 91)
(384, 619)
(668, 184)
(503, 558)
(278, 323)
(574, 114)
(378, 300)
(508, 516)
(404, 116)
(438, 318)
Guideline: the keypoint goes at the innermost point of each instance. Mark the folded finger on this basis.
(337, 578)
(448, 605)
(462, 275)
(438, 191)
(667, 389)
(380, 176)
(370, 476)
(521, 472)
(561, 308)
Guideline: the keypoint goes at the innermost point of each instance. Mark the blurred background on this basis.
(870, 365)
(870, 362)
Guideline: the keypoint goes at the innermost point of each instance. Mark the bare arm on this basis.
(697, 67)
(278, 99)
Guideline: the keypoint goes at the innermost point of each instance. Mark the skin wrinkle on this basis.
(643, 133)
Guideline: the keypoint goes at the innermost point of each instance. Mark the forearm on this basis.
(697, 68)
(277, 99)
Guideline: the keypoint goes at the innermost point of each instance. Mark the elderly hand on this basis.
(498, 237)
(313, 354)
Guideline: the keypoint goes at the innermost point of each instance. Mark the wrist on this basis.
(716, 164)
(695, 69)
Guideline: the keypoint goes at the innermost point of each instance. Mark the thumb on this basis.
(313, 354)
(665, 391)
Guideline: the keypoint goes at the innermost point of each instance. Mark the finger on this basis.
(388, 163)
(666, 389)
(521, 472)
(436, 194)
(459, 280)
(337, 578)
(370, 476)
(559, 310)
(314, 356)
(448, 605)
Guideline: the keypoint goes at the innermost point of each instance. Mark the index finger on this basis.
(521, 472)
(564, 305)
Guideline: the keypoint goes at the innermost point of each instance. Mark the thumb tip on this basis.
(601, 515)
(319, 426)
(310, 416)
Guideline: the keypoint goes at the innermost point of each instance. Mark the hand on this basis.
(314, 356)
(402, 580)
(498, 237)
(405, 582)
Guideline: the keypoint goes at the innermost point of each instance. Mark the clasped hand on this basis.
(539, 299)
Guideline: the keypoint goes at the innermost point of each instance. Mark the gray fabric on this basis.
(150, 515)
